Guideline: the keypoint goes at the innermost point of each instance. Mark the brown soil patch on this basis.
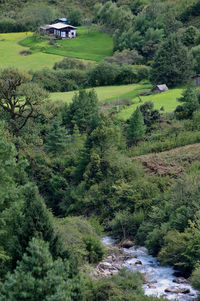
(172, 162)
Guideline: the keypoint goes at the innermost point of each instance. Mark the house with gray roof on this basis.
(60, 30)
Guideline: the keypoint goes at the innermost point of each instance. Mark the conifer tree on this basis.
(38, 277)
(136, 128)
(171, 65)
(82, 111)
(56, 138)
(36, 221)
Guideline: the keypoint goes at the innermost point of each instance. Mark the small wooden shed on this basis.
(196, 79)
(160, 88)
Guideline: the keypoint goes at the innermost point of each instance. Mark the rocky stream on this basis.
(158, 280)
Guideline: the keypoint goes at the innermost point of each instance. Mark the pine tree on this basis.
(136, 128)
(171, 65)
(38, 277)
(82, 111)
(36, 221)
(56, 138)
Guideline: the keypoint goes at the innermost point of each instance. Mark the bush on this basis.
(11, 25)
(94, 248)
(60, 80)
(81, 239)
(195, 279)
(126, 286)
(125, 225)
(70, 63)
(143, 73)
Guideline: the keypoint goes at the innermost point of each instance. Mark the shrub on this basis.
(125, 225)
(81, 239)
(195, 279)
(70, 63)
(94, 248)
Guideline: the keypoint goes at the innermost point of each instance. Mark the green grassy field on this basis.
(89, 45)
(104, 93)
(167, 100)
(10, 54)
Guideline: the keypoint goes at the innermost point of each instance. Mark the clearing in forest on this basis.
(89, 45)
(167, 101)
(11, 54)
(173, 162)
(104, 94)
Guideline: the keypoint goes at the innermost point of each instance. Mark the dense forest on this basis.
(72, 172)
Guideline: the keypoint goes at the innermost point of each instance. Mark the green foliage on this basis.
(195, 56)
(38, 277)
(136, 128)
(80, 238)
(36, 221)
(70, 63)
(150, 115)
(190, 36)
(55, 138)
(171, 63)
(181, 249)
(94, 249)
(190, 101)
(195, 279)
(125, 225)
(75, 16)
(126, 286)
(20, 98)
(35, 14)
(82, 111)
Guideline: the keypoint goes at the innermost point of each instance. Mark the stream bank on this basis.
(158, 280)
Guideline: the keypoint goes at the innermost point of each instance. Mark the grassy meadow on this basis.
(104, 93)
(168, 100)
(10, 54)
(89, 45)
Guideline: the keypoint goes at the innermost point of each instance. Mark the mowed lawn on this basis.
(104, 93)
(10, 54)
(89, 45)
(168, 100)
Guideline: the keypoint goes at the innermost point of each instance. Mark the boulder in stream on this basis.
(177, 290)
(126, 243)
(138, 262)
(180, 280)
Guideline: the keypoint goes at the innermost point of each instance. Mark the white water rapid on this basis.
(158, 278)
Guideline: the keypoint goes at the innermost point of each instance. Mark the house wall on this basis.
(72, 33)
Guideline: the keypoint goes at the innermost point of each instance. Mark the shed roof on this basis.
(162, 87)
(61, 26)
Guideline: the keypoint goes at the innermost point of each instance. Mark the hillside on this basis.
(100, 150)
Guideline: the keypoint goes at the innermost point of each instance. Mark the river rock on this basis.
(151, 286)
(138, 262)
(178, 290)
(126, 244)
(105, 265)
(180, 280)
